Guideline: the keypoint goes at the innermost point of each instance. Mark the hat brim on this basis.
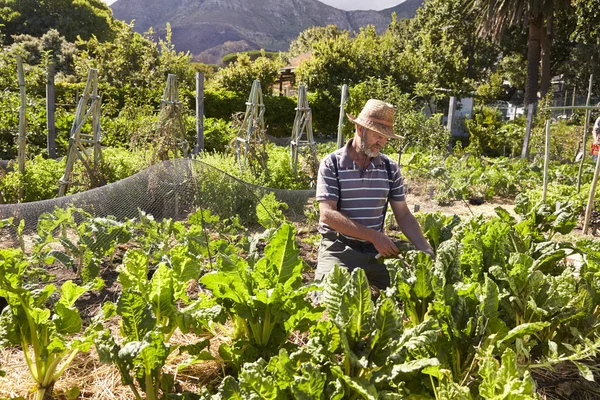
(383, 130)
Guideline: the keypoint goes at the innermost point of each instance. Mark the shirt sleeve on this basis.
(398, 193)
(327, 183)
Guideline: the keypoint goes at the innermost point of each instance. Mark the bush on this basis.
(40, 180)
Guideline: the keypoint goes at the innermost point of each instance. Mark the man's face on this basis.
(371, 142)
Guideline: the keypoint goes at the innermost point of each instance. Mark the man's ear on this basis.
(360, 131)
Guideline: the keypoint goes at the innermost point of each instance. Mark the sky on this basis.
(348, 4)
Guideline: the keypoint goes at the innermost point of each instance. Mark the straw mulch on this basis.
(97, 381)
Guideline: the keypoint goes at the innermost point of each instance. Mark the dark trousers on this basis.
(336, 249)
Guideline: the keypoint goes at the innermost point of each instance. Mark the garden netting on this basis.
(171, 189)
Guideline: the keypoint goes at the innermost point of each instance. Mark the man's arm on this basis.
(410, 227)
(596, 132)
(329, 215)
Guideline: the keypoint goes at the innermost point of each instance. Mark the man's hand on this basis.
(384, 245)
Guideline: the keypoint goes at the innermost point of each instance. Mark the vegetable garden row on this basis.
(499, 302)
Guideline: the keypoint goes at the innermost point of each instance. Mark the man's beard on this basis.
(368, 151)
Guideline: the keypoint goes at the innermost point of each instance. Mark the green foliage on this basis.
(484, 138)
(148, 309)
(43, 333)
(265, 299)
(40, 180)
(269, 211)
(238, 77)
(84, 18)
(253, 54)
(218, 134)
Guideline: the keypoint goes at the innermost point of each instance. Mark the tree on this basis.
(238, 76)
(496, 15)
(72, 18)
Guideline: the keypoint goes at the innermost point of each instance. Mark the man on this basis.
(596, 140)
(352, 225)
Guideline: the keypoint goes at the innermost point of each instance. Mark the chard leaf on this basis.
(358, 385)
(504, 381)
(230, 389)
(161, 294)
(184, 267)
(528, 328)
(408, 370)
(283, 255)
(70, 293)
(359, 303)
(67, 320)
(310, 384)
(254, 381)
(133, 274)
(489, 300)
(333, 294)
(137, 318)
(231, 281)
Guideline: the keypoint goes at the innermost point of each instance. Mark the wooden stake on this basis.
(340, 135)
(546, 160)
(199, 113)
(22, 123)
(50, 110)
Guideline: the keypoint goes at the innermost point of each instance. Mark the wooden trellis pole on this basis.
(170, 135)
(302, 133)
(80, 144)
(22, 122)
(253, 125)
(340, 135)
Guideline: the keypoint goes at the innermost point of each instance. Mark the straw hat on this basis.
(377, 116)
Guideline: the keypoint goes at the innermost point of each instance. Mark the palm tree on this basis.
(537, 16)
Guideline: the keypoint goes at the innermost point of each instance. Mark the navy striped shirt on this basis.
(364, 192)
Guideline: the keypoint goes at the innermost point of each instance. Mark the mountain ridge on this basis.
(210, 29)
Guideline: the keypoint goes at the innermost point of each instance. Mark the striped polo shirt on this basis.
(364, 192)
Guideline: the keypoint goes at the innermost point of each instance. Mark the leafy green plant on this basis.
(44, 332)
(265, 300)
(269, 211)
(148, 309)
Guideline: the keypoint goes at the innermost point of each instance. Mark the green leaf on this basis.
(358, 385)
(137, 318)
(585, 371)
(162, 293)
(70, 293)
(67, 320)
(133, 274)
(283, 255)
(333, 294)
(359, 304)
(528, 328)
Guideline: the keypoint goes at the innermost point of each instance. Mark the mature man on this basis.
(353, 188)
(596, 140)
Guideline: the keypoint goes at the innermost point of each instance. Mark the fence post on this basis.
(546, 160)
(22, 123)
(50, 110)
(451, 112)
(199, 113)
(340, 135)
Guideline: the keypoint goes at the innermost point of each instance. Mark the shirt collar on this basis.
(347, 163)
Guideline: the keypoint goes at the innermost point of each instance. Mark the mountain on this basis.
(210, 29)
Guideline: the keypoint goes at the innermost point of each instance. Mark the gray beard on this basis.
(365, 150)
